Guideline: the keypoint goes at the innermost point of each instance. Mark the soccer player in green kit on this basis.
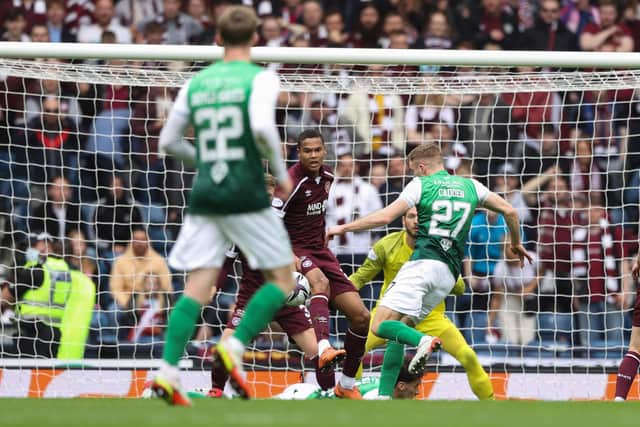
(445, 205)
(231, 106)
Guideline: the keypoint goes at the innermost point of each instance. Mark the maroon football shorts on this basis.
(292, 320)
(324, 259)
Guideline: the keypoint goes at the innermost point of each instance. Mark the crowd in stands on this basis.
(80, 161)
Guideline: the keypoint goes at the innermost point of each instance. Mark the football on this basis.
(301, 293)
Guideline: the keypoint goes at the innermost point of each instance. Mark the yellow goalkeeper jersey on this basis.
(388, 255)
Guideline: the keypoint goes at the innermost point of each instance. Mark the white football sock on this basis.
(322, 346)
(347, 382)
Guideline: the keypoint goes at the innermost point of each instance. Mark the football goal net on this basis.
(82, 180)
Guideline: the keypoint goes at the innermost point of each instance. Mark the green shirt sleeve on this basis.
(370, 268)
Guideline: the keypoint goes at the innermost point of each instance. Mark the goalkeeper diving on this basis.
(388, 255)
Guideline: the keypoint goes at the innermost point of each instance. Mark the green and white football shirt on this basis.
(445, 205)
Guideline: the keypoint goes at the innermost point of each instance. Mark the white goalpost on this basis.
(556, 133)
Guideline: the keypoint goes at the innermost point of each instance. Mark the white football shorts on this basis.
(204, 240)
(418, 287)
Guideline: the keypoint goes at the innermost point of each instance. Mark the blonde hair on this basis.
(428, 151)
(237, 25)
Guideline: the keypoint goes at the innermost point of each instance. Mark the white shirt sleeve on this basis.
(482, 191)
(171, 141)
(262, 116)
(412, 192)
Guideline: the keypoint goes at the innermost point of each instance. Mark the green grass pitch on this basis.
(324, 413)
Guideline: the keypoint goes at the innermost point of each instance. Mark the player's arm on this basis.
(491, 200)
(262, 117)
(374, 220)
(370, 268)
(171, 137)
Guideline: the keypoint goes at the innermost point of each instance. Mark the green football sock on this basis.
(182, 322)
(391, 366)
(259, 312)
(394, 330)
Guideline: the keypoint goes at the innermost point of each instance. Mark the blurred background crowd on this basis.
(81, 177)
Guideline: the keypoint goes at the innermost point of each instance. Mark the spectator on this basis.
(576, 14)
(105, 20)
(115, 217)
(50, 90)
(378, 118)
(271, 32)
(50, 145)
(130, 12)
(179, 27)
(378, 176)
(608, 31)
(197, 9)
(438, 33)
(513, 288)
(15, 27)
(150, 306)
(484, 125)
(312, 17)
(58, 215)
(393, 22)
(291, 12)
(58, 29)
(340, 135)
(130, 280)
(556, 220)
(491, 23)
(53, 305)
(78, 14)
(539, 154)
(80, 256)
(33, 11)
(351, 198)
(549, 33)
(369, 28)
(423, 114)
(484, 251)
(39, 33)
(595, 273)
(533, 111)
(586, 176)
(336, 34)
(396, 171)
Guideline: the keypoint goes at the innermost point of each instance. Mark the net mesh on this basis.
(560, 145)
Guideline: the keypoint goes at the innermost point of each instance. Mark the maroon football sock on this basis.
(626, 373)
(219, 376)
(326, 380)
(319, 309)
(354, 344)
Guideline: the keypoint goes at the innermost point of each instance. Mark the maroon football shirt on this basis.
(305, 209)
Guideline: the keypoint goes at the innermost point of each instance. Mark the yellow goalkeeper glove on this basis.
(458, 288)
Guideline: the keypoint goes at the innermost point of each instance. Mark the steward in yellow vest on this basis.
(53, 306)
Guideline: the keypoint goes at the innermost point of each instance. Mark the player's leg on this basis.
(308, 343)
(391, 366)
(219, 374)
(319, 309)
(263, 240)
(200, 249)
(350, 304)
(372, 342)
(454, 343)
(629, 366)
(296, 323)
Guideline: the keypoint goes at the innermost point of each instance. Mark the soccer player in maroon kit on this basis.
(630, 362)
(294, 321)
(304, 218)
